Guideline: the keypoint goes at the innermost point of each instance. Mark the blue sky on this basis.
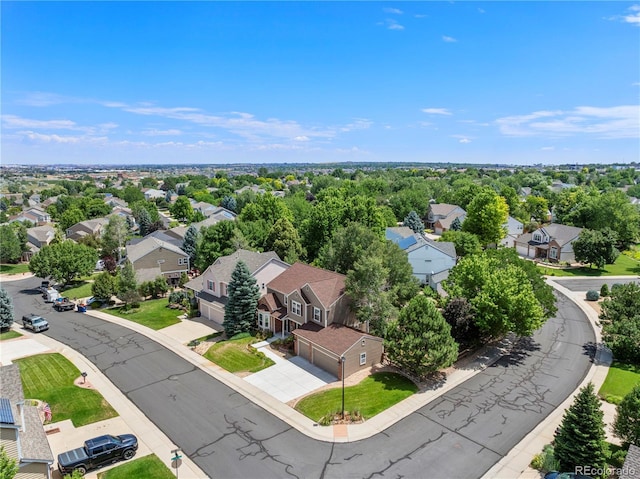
(259, 82)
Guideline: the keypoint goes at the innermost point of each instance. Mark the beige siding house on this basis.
(152, 257)
(552, 243)
(440, 216)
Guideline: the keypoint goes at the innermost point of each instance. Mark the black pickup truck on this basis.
(98, 452)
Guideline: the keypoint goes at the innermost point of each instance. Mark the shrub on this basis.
(178, 297)
(617, 458)
(545, 461)
(593, 295)
(604, 290)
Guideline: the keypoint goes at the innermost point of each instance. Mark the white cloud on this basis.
(395, 11)
(13, 121)
(393, 25)
(610, 122)
(437, 111)
(40, 99)
(448, 39)
(548, 148)
(464, 140)
(44, 138)
(632, 17)
(301, 138)
(154, 132)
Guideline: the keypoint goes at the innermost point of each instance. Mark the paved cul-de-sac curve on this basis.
(461, 434)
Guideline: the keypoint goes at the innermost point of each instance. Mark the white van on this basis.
(51, 295)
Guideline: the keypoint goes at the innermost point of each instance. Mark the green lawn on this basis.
(81, 289)
(49, 377)
(235, 356)
(14, 268)
(373, 395)
(152, 313)
(9, 335)
(623, 266)
(620, 381)
(145, 467)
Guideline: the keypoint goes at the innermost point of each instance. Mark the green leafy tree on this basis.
(347, 246)
(465, 243)
(626, 425)
(10, 250)
(127, 283)
(581, 440)
(596, 247)
(621, 322)
(240, 311)
(182, 209)
(459, 315)
(114, 236)
(486, 215)
(419, 341)
(64, 261)
(70, 217)
(285, 241)
(105, 286)
(413, 221)
(8, 465)
(131, 194)
(190, 242)
(6, 310)
(537, 208)
(215, 241)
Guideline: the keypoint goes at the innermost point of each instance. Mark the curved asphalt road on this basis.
(459, 435)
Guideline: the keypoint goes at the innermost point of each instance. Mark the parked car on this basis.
(98, 452)
(44, 286)
(565, 475)
(63, 304)
(35, 323)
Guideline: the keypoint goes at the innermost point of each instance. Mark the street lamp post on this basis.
(342, 360)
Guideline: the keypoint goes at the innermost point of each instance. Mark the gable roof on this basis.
(416, 241)
(149, 244)
(327, 285)
(42, 233)
(92, 225)
(442, 209)
(561, 234)
(223, 267)
(335, 337)
(397, 233)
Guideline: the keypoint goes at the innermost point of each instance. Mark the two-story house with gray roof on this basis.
(211, 286)
(152, 257)
(440, 216)
(84, 228)
(21, 431)
(552, 243)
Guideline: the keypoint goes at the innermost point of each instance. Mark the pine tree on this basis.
(581, 440)
(420, 341)
(627, 423)
(240, 311)
(6, 310)
(414, 222)
(8, 465)
(456, 224)
(127, 285)
(144, 222)
(190, 242)
(229, 202)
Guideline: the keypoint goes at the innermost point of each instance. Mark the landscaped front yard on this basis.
(148, 466)
(50, 377)
(373, 395)
(623, 266)
(152, 313)
(236, 355)
(14, 268)
(620, 380)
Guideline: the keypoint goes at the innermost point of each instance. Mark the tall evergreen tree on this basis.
(581, 440)
(229, 202)
(419, 341)
(144, 222)
(127, 285)
(6, 310)
(456, 224)
(240, 311)
(627, 422)
(190, 243)
(413, 221)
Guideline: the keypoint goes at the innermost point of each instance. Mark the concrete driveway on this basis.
(288, 379)
(19, 348)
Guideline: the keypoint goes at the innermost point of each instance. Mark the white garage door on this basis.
(211, 311)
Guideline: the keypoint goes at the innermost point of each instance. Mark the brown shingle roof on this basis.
(335, 337)
(328, 286)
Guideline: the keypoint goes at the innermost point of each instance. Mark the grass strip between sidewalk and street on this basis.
(371, 396)
(235, 355)
(147, 466)
(50, 377)
(9, 335)
(620, 380)
(152, 313)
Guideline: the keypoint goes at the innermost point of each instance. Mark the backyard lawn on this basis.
(14, 268)
(148, 466)
(9, 335)
(152, 313)
(49, 377)
(374, 394)
(620, 381)
(623, 266)
(236, 356)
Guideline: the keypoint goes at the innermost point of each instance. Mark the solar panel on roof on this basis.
(6, 413)
(406, 242)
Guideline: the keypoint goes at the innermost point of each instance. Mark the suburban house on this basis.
(514, 229)
(21, 431)
(311, 304)
(37, 237)
(152, 257)
(152, 193)
(553, 243)
(430, 260)
(92, 227)
(216, 216)
(174, 236)
(211, 286)
(34, 215)
(441, 215)
(115, 202)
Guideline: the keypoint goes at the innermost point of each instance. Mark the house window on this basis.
(317, 315)
(553, 253)
(363, 359)
(211, 285)
(537, 237)
(296, 308)
(183, 260)
(263, 320)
